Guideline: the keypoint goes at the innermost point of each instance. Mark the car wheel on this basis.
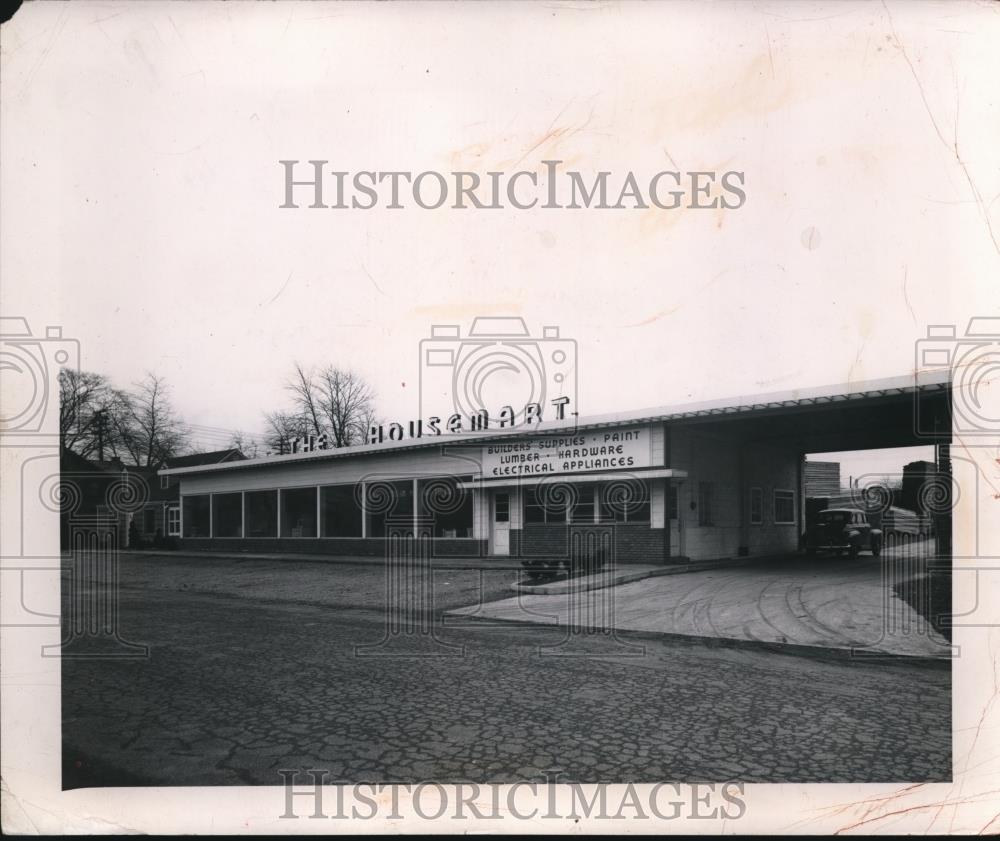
(876, 549)
(853, 552)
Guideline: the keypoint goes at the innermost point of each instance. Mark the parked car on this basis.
(843, 530)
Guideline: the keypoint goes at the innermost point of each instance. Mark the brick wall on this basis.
(346, 546)
(633, 543)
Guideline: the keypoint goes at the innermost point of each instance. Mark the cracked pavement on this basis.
(254, 668)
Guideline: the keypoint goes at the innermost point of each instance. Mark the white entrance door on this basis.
(501, 523)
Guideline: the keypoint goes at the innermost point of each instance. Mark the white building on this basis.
(665, 485)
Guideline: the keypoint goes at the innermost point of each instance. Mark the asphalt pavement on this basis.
(253, 669)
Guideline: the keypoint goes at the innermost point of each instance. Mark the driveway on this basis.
(826, 602)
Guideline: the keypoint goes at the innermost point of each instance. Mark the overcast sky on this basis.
(141, 189)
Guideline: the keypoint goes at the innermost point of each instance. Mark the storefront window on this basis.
(625, 502)
(261, 508)
(583, 508)
(388, 501)
(340, 511)
(444, 501)
(197, 516)
(227, 515)
(548, 506)
(298, 512)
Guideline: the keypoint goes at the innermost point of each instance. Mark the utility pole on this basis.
(101, 421)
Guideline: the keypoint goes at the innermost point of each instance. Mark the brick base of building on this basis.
(624, 543)
(373, 547)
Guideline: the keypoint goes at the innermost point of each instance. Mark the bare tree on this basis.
(335, 402)
(82, 397)
(369, 419)
(245, 444)
(149, 431)
(346, 402)
(306, 398)
(282, 428)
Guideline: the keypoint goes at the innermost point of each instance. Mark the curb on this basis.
(595, 582)
(812, 652)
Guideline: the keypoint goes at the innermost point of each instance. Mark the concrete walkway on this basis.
(829, 603)
(624, 574)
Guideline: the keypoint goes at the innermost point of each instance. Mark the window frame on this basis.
(373, 519)
(462, 519)
(173, 527)
(215, 515)
(322, 511)
(281, 512)
(184, 499)
(548, 515)
(627, 516)
(588, 489)
(496, 507)
(277, 514)
(774, 506)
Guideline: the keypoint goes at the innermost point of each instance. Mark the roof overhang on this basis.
(857, 393)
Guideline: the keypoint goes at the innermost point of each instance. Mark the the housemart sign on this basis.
(613, 449)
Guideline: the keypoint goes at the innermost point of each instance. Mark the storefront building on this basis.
(692, 483)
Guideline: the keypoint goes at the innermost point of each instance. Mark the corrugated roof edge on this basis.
(936, 380)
